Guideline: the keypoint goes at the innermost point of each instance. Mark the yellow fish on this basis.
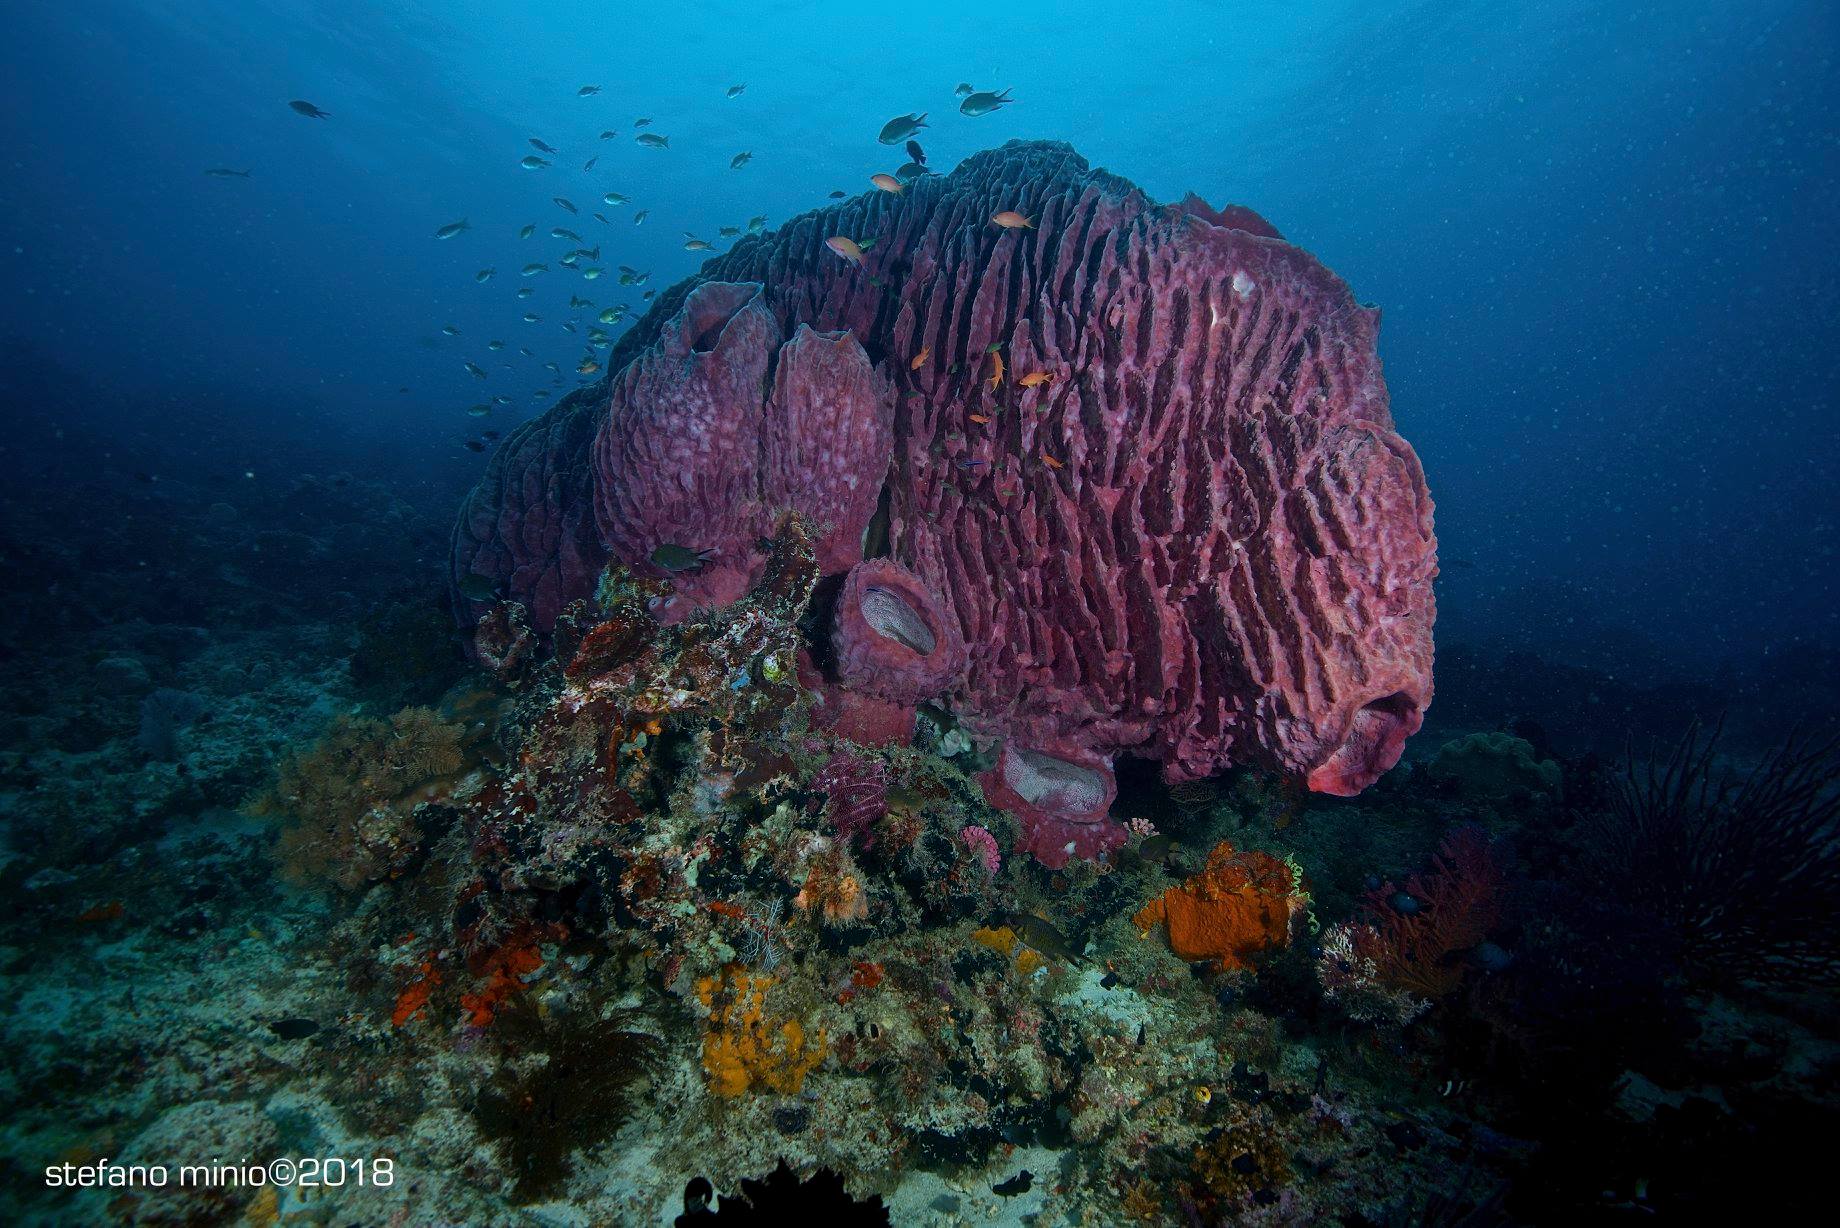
(926, 352)
(1009, 219)
(1050, 462)
(996, 376)
(846, 248)
(980, 419)
(887, 183)
(1035, 379)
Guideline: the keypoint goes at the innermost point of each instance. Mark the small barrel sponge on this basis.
(718, 428)
(891, 636)
(1062, 800)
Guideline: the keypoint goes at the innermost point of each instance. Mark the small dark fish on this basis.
(916, 153)
(964, 87)
(641, 122)
(564, 203)
(489, 434)
(451, 229)
(1404, 903)
(533, 163)
(1021, 1183)
(907, 172)
(969, 463)
(901, 127)
(651, 140)
(740, 160)
(1491, 958)
(1156, 849)
(475, 445)
(674, 558)
(984, 102)
(224, 172)
(293, 1029)
(1037, 933)
(542, 146)
(734, 91)
(589, 164)
(838, 194)
(587, 90)
(309, 110)
(608, 134)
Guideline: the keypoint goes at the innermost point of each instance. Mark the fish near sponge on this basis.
(721, 426)
(1184, 530)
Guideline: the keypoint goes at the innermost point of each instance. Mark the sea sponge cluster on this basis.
(746, 1049)
(1241, 902)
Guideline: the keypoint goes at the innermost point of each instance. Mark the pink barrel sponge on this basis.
(1176, 523)
(891, 636)
(719, 427)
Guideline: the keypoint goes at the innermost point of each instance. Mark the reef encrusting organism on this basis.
(1136, 459)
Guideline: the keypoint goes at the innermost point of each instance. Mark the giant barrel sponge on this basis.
(1176, 524)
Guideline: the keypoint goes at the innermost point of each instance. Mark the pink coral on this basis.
(1179, 525)
(1061, 801)
(718, 428)
(981, 842)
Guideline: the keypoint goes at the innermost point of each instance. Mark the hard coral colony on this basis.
(1200, 542)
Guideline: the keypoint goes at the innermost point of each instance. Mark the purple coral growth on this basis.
(856, 795)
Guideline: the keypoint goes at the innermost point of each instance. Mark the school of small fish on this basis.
(901, 130)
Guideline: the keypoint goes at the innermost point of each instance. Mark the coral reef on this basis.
(1270, 603)
(1494, 767)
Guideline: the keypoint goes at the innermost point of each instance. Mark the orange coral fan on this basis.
(1459, 902)
(742, 1050)
(410, 1001)
(1240, 902)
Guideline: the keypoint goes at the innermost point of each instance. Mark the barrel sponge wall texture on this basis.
(1176, 522)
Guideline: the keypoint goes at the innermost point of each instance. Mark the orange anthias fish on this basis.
(887, 183)
(1050, 462)
(1036, 378)
(980, 419)
(845, 247)
(996, 376)
(1009, 219)
(926, 352)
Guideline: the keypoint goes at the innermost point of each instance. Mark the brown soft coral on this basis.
(352, 796)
